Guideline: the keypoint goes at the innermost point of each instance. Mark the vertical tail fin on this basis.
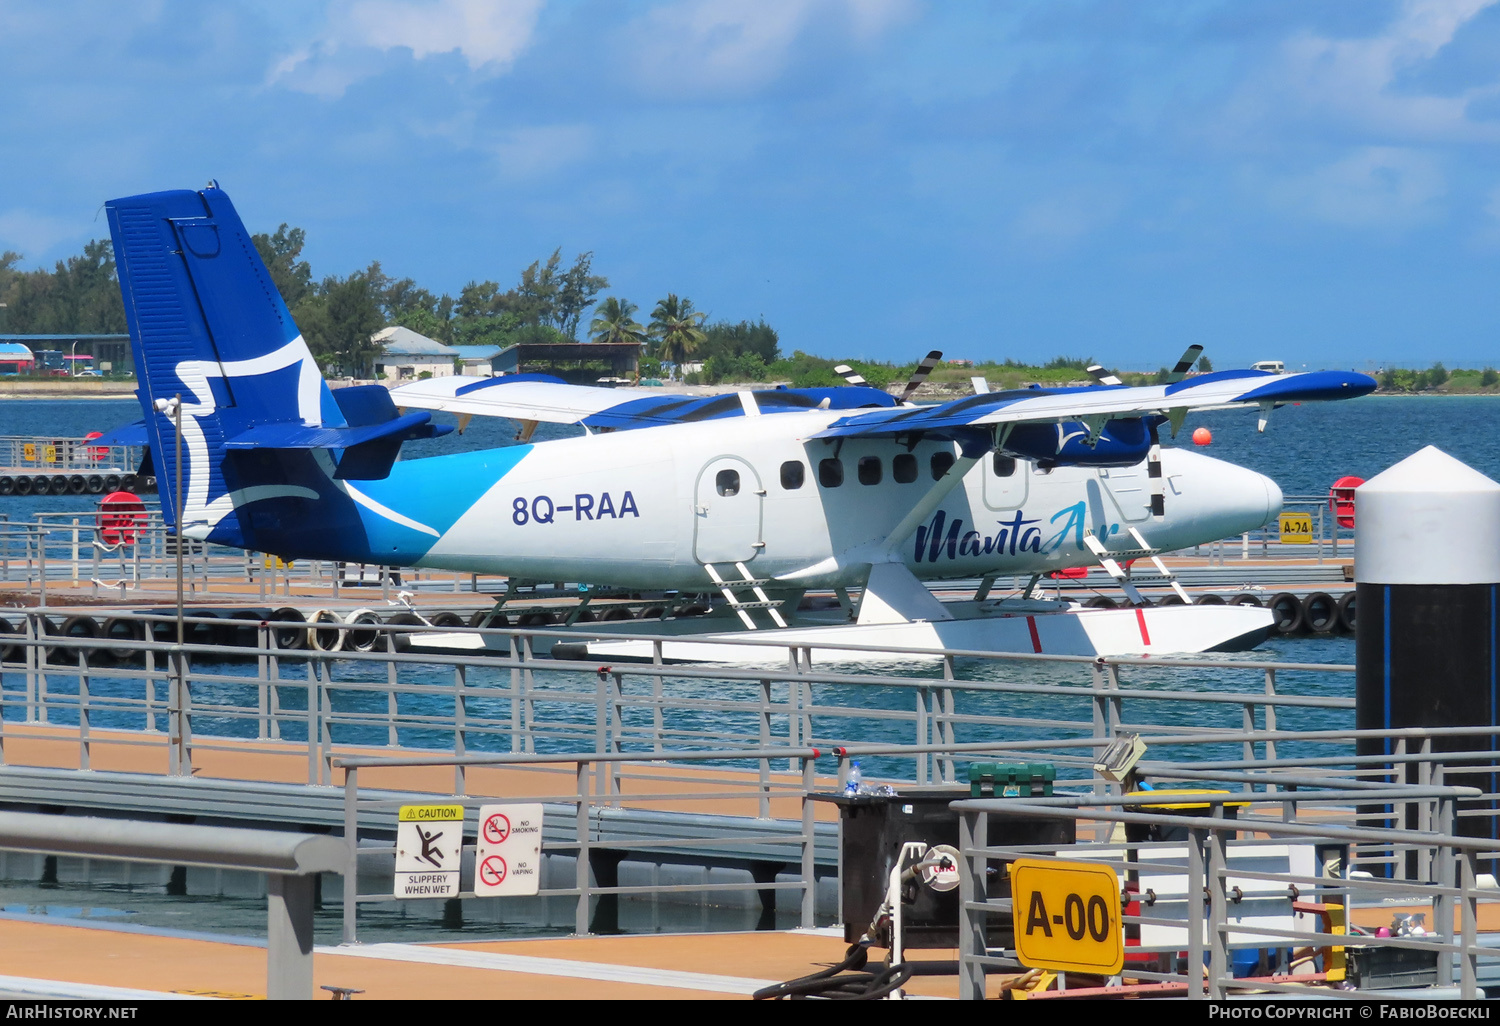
(207, 324)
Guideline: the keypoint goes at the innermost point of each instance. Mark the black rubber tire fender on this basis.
(1101, 602)
(1320, 613)
(1210, 599)
(7, 485)
(324, 633)
(80, 627)
(1287, 608)
(288, 628)
(1346, 612)
(1246, 599)
(131, 635)
(367, 638)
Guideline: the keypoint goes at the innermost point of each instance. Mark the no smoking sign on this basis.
(496, 827)
(509, 859)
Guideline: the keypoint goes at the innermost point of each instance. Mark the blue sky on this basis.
(1310, 181)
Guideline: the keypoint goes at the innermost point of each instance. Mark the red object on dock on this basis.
(1341, 499)
(122, 515)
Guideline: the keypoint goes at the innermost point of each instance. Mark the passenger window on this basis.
(728, 482)
(792, 473)
(830, 473)
(941, 461)
(904, 468)
(869, 470)
(1005, 465)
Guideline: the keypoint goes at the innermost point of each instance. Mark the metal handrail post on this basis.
(809, 839)
(1218, 932)
(262, 679)
(1469, 920)
(1442, 904)
(973, 829)
(351, 838)
(460, 718)
(924, 737)
(314, 684)
(581, 874)
(33, 650)
(174, 714)
(764, 781)
(601, 731)
(1197, 881)
(83, 710)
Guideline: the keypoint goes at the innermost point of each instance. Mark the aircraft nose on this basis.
(1274, 498)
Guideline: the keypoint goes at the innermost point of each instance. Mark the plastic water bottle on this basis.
(852, 787)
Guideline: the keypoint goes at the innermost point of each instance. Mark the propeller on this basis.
(1189, 357)
(919, 375)
(850, 375)
(1102, 376)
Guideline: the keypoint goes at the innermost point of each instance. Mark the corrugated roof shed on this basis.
(399, 341)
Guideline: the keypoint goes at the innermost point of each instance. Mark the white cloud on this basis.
(739, 45)
(525, 153)
(1375, 186)
(32, 234)
(488, 34)
(1353, 81)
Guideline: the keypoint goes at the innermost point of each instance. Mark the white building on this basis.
(405, 355)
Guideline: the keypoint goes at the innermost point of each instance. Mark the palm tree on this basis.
(674, 324)
(613, 323)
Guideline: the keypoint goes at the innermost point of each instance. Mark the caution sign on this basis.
(1296, 529)
(509, 855)
(429, 847)
(1067, 916)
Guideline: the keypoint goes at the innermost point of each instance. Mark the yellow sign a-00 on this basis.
(1067, 916)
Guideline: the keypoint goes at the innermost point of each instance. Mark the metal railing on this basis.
(21, 453)
(603, 781)
(510, 699)
(1191, 894)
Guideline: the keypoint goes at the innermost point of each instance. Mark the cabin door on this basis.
(727, 511)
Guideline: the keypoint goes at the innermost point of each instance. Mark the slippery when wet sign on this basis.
(429, 850)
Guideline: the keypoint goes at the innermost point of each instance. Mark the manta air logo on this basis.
(1016, 536)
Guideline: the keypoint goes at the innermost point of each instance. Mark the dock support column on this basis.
(1427, 574)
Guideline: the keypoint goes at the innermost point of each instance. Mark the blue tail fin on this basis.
(208, 325)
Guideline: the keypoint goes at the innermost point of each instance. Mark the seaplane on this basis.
(754, 496)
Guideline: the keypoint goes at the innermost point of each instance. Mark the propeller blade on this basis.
(1102, 376)
(849, 374)
(919, 375)
(1189, 357)
(981, 386)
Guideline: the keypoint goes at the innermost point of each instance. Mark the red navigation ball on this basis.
(1202, 436)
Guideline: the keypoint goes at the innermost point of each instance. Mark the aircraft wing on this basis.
(1221, 390)
(517, 396)
(541, 397)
